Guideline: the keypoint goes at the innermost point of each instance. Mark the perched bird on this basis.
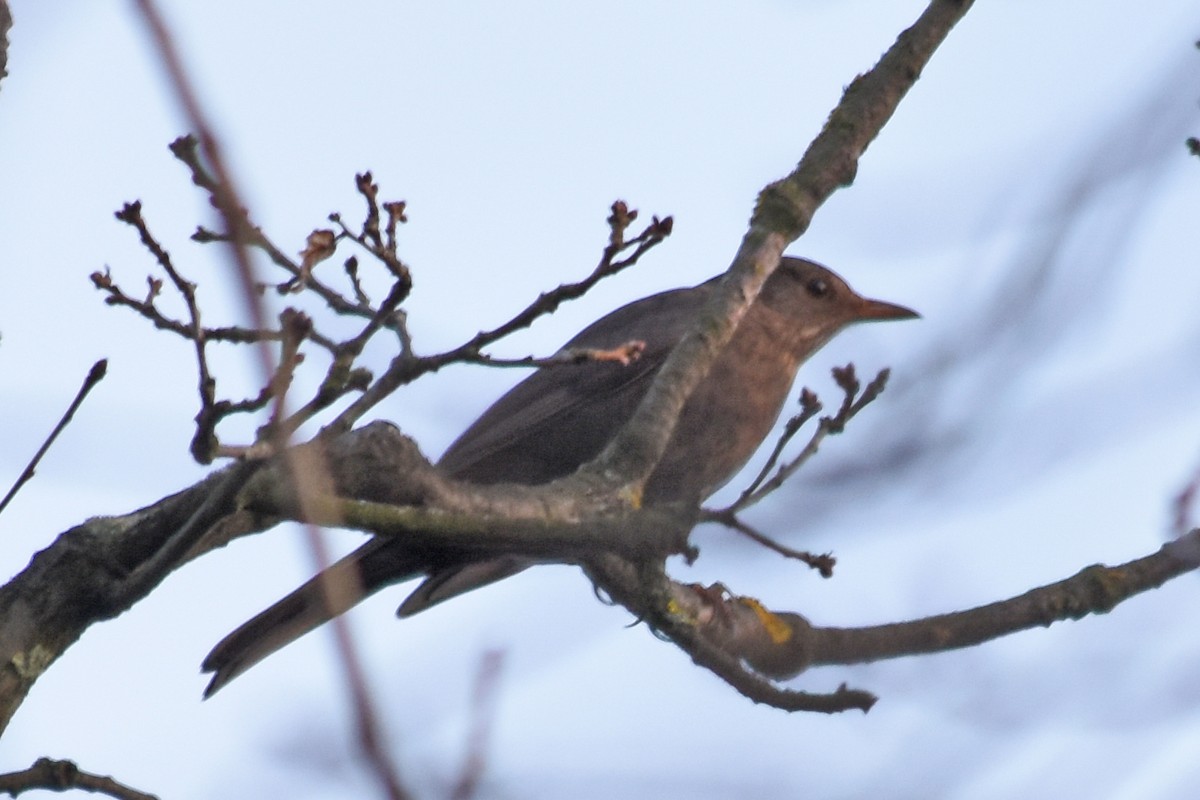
(561, 417)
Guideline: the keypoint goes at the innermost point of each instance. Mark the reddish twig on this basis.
(227, 203)
(483, 714)
(623, 354)
(1184, 502)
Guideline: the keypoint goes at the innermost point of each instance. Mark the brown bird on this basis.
(561, 417)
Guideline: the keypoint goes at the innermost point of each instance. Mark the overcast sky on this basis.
(1032, 198)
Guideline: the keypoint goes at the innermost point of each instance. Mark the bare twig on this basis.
(406, 367)
(483, 713)
(342, 377)
(620, 219)
(745, 643)
(224, 194)
(203, 443)
(370, 238)
(823, 563)
(370, 192)
(115, 296)
(383, 317)
(852, 403)
(94, 376)
(624, 354)
(226, 199)
(396, 215)
(185, 149)
(351, 268)
(759, 690)
(810, 406)
(1184, 504)
(60, 776)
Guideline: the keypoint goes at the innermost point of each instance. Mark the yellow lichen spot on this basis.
(29, 665)
(632, 494)
(776, 628)
(682, 612)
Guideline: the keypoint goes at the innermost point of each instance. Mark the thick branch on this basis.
(1093, 590)
(779, 644)
(100, 568)
(87, 575)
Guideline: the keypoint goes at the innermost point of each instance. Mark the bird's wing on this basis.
(561, 417)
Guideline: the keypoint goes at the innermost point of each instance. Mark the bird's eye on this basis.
(817, 287)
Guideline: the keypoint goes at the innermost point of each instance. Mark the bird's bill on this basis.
(872, 310)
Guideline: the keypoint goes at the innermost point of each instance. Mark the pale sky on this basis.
(1032, 198)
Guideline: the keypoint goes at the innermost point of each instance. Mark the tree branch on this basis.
(746, 644)
(100, 568)
(60, 776)
(782, 214)
(1097, 589)
(91, 583)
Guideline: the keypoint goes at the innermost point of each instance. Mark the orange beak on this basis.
(873, 310)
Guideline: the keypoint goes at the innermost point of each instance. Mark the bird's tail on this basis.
(443, 584)
(339, 588)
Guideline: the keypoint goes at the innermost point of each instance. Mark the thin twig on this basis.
(483, 714)
(115, 296)
(623, 354)
(227, 202)
(810, 406)
(337, 303)
(224, 193)
(94, 376)
(370, 238)
(131, 214)
(1184, 502)
(548, 302)
(823, 563)
(852, 403)
(406, 367)
(351, 268)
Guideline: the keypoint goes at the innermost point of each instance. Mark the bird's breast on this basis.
(727, 417)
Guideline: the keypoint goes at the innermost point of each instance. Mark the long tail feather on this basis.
(345, 584)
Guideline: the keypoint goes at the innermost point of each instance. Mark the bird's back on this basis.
(561, 417)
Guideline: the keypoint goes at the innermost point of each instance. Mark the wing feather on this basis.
(561, 417)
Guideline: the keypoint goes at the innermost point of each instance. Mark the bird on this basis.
(561, 417)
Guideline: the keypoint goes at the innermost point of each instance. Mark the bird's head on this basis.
(818, 303)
